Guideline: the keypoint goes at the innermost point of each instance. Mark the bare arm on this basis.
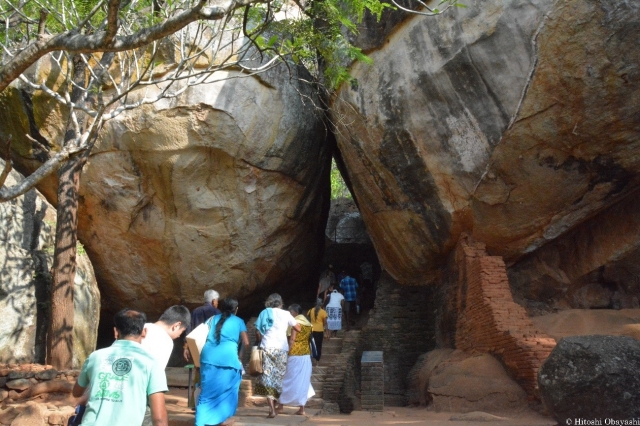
(158, 409)
(296, 327)
(78, 390)
(292, 338)
(244, 338)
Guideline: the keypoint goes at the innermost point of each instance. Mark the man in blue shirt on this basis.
(123, 378)
(349, 288)
(199, 316)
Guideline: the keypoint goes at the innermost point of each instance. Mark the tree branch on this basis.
(7, 165)
(74, 42)
(42, 21)
(112, 21)
(45, 170)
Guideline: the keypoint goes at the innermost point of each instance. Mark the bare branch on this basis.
(430, 11)
(75, 42)
(42, 22)
(45, 170)
(112, 21)
(7, 165)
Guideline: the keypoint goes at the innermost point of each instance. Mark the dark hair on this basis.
(295, 308)
(228, 306)
(129, 322)
(176, 313)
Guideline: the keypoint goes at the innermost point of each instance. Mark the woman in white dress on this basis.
(334, 311)
(296, 385)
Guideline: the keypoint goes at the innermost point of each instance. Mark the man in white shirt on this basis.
(161, 334)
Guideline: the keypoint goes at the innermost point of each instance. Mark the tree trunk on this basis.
(60, 334)
(60, 338)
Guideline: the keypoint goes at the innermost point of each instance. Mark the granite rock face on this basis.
(450, 380)
(220, 189)
(592, 377)
(224, 187)
(26, 256)
(515, 121)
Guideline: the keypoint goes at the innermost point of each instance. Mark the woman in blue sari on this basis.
(220, 366)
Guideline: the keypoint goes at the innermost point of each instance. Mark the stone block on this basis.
(57, 419)
(18, 384)
(49, 374)
(7, 415)
(20, 374)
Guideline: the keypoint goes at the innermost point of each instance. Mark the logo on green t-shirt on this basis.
(121, 366)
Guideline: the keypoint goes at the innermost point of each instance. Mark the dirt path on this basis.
(180, 415)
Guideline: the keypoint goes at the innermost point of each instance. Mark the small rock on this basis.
(18, 384)
(3, 381)
(4, 394)
(20, 374)
(33, 415)
(4, 372)
(57, 419)
(330, 408)
(33, 381)
(7, 415)
(47, 374)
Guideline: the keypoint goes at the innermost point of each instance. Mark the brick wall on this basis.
(340, 383)
(490, 321)
(402, 325)
(372, 381)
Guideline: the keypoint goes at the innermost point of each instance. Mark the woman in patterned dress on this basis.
(296, 385)
(334, 311)
(271, 332)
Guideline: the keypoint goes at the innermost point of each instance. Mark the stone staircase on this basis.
(330, 355)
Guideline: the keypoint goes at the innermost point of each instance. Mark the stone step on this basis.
(261, 401)
(332, 350)
(178, 377)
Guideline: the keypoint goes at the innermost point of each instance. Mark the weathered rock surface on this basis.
(345, 225)
(592, 377)
(596, 265)
(221, 188)
(456, 381)
(514, 121)
(26, 256)
(576, 322)
(218, 189)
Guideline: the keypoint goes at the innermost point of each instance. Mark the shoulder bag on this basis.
(255, 361)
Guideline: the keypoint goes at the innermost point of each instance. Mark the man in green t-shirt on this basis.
(123, 378)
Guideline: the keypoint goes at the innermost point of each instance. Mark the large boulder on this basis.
(26, 257)
(592, 377)
(451, 380)
(513, 121)
(219, 188)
